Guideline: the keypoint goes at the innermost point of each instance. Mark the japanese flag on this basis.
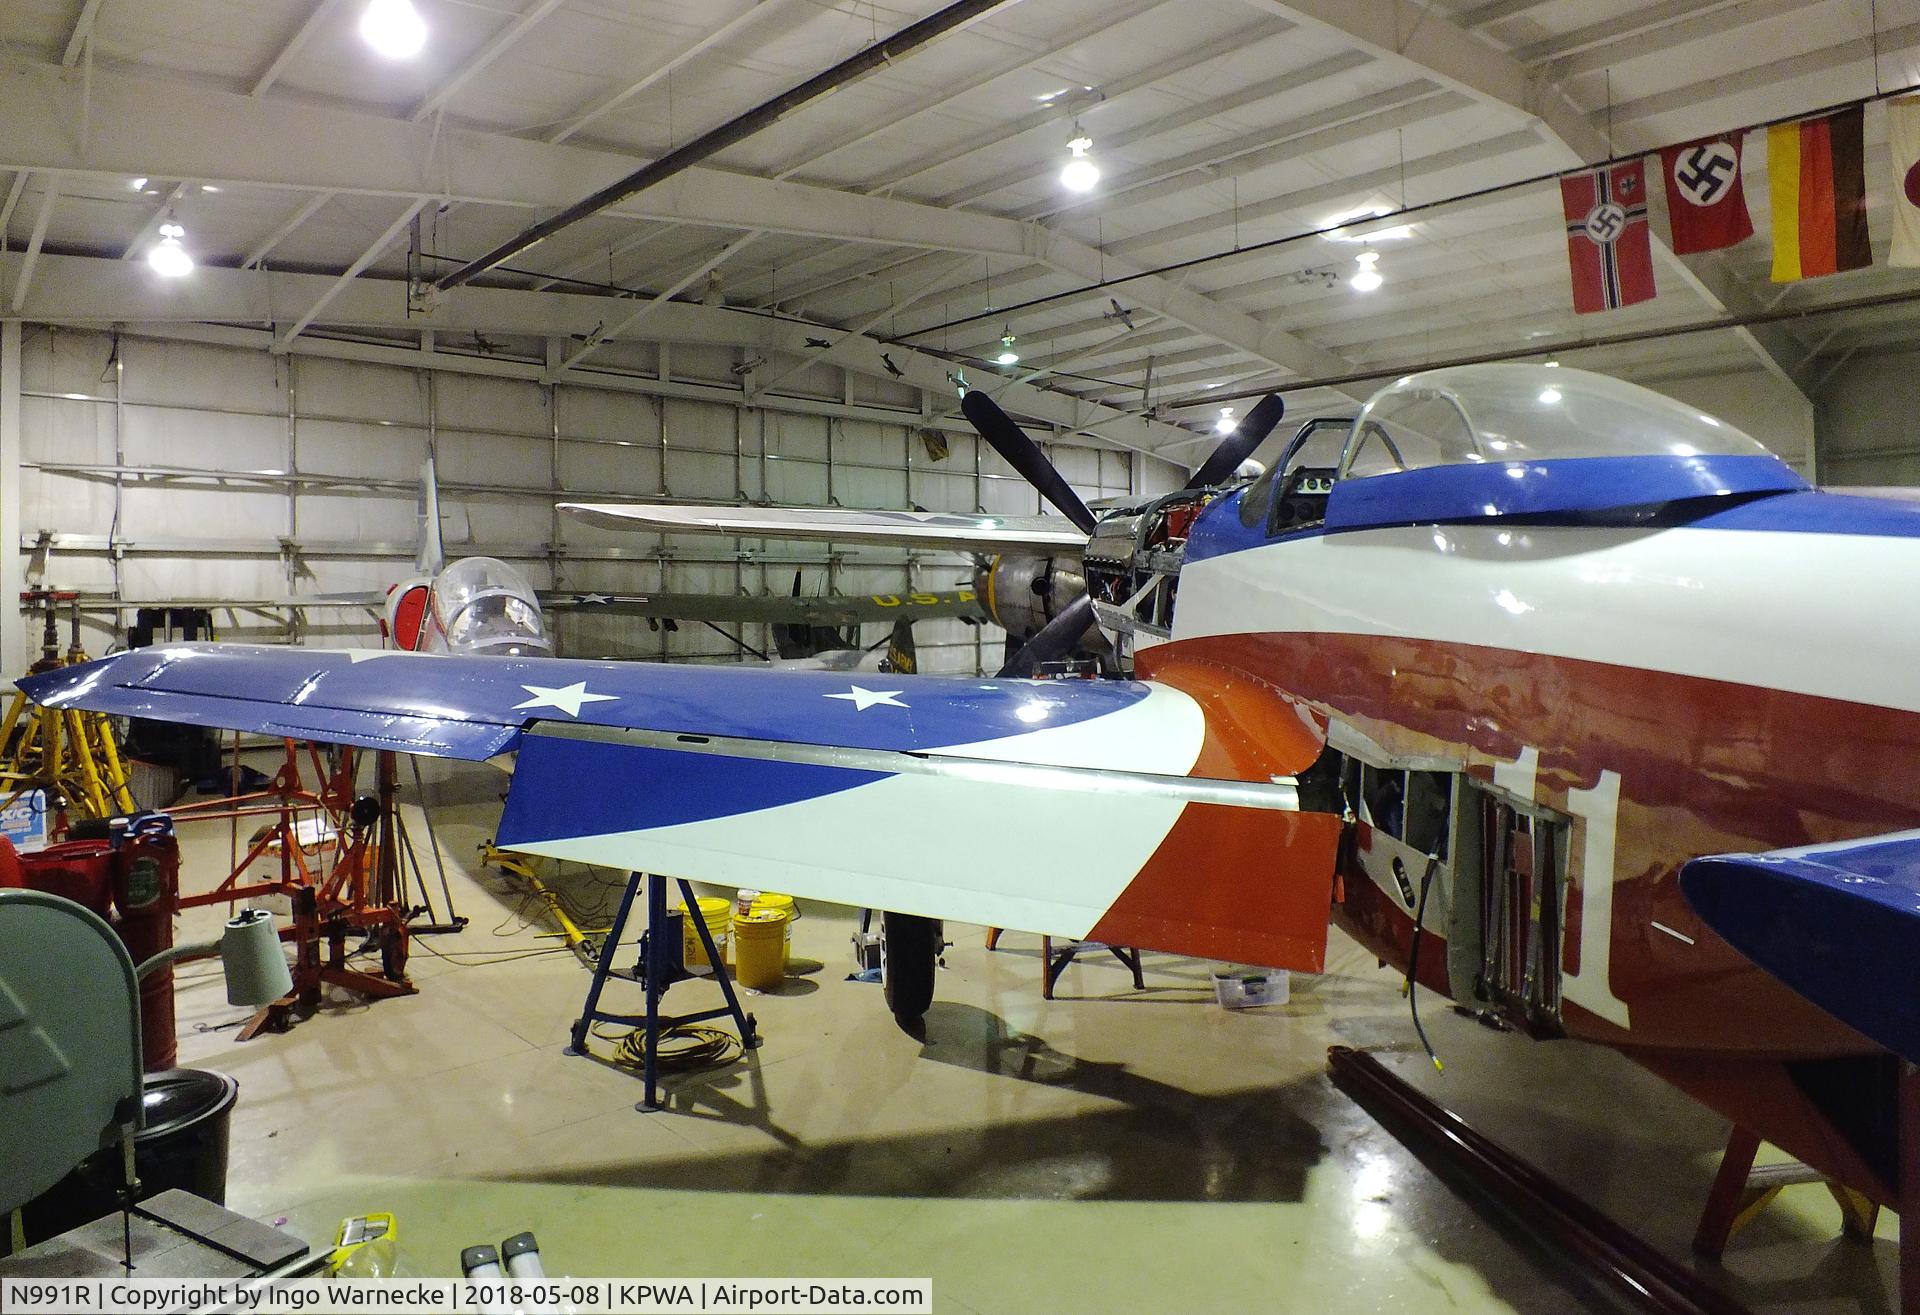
(1903, 141)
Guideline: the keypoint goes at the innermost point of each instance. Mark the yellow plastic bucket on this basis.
(760, 949)
(718, 915)
(786, 908)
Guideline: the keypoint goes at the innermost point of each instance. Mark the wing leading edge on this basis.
(1131, 811)
(961, 532)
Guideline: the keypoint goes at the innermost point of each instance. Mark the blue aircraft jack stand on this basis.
(656, 972)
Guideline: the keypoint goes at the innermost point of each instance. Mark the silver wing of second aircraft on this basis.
(961, 532)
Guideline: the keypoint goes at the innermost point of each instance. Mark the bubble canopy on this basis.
(1484, 441)
(1490, 413)
(483, 605)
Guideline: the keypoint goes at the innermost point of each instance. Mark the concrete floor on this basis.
(1120, 1149)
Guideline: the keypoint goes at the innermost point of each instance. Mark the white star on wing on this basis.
(567, 698)
(862, 699)
(589, 600)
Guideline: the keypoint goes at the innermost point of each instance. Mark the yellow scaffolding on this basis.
(70, 754)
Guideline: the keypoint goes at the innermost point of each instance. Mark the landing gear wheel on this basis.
(908, 947)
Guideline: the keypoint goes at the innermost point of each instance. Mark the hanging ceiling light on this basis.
(1007, 356)
(1080, 173)
(1366, 278)
(394, 28)
(1226, 424)
(168, 257)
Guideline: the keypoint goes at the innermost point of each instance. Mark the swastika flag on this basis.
(1903, 138)
(1706, 200)
(1607, 245)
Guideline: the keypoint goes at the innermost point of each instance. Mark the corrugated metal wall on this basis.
(1867, 426)
(161, 469)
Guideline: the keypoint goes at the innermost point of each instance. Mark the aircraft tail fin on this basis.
(1839, 923)
(432, 556)
(901, 655)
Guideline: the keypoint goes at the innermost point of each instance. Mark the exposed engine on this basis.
(1133, 564)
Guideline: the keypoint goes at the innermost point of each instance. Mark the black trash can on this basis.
(184, 1145)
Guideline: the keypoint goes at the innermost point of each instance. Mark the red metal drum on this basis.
(79, 870)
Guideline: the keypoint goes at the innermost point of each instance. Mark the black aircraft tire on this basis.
(908, 947)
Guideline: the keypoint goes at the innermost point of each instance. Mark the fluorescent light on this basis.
(138, 184)
(1340, 226)
(1080, 173)
(393, 28)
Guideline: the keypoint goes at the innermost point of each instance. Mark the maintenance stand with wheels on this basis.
(659, 966)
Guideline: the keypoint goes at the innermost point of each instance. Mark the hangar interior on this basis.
(786, 320)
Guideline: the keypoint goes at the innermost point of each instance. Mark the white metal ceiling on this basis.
(1217, 123)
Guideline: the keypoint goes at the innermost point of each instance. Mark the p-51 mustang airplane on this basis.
(1610, 709)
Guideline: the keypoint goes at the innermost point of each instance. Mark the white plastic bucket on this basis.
(1249, 988)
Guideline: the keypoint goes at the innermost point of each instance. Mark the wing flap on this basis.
(1840, 924)
(1156, 859)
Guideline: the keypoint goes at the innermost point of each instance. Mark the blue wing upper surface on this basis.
(476, 707)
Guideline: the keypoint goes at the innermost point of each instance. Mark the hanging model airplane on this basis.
(1616, 718)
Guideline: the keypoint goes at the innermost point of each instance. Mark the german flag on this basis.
(1819, 189)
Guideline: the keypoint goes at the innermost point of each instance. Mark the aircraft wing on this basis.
(1132, 812)
(1839, 923)
(779, 609)
(962, 532)
(374, 598)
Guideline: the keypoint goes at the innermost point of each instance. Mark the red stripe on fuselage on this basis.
(1705, 767)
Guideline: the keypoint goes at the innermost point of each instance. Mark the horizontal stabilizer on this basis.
(960, 531)
(1840, 924)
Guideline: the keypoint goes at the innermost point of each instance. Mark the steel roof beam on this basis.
(30, 259)
(1418, 39)
(503, 41)
(316, 17)
(92, 291)
(81, 34)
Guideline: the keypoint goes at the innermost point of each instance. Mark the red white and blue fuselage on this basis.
(1602, 622)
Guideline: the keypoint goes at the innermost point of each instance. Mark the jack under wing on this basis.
(1138, 813)
(1838, 923)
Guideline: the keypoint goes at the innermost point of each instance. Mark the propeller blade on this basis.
(1025, 456)
(1052, 641)
(1239, 445)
